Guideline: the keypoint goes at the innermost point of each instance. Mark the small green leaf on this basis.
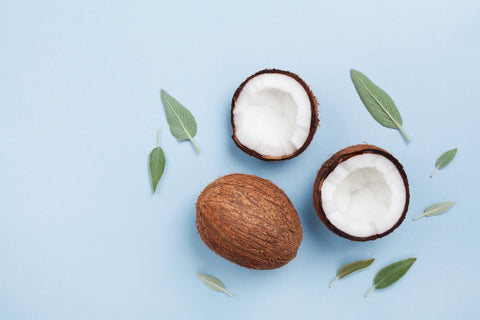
(181, 121)
(436, 209)
(157, 166)
(390, 274)
(378, 102)
(350, 268)
(213, 283)
(444, 159)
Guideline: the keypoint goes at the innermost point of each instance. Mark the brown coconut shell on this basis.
(313, 123)
(249, 221)
(332, 163)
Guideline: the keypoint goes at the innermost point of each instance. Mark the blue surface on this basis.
(82, 237)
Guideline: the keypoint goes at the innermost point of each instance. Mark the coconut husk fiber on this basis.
(248, 221)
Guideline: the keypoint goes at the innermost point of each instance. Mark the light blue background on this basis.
(81, 235)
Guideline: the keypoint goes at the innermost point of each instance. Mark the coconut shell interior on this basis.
(313, 123)
(332, 163)
(248, 221)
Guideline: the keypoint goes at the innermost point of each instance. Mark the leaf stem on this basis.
(370, 291)
(194, 144)
(158, 138)
(404, 134)
(420, 216)
(334, 280)
(227, 293)
(434, 171)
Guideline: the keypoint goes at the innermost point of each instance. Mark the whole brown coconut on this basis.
(274, 115)
(249, 221)
(376, 181)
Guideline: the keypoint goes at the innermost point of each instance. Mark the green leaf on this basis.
(181, 121)
(444, 159)
(436, 209)
(350, 268)
(378, 102)
(213, 283)
(390, 274)
(157, 166)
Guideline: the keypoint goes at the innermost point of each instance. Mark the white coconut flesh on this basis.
(272, 115)
(364, 195)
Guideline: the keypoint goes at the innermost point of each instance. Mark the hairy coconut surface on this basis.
(361, 193)
(249, 221)
(274, 115)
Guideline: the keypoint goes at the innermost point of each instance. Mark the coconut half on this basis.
(274, 115)
(361, 193)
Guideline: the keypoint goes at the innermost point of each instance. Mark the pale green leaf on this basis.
(391, 274)
(350, 268)
(436, 209)
(444, 159)
(378, 102)
(157, 166)
(213, 283)
(181, 121)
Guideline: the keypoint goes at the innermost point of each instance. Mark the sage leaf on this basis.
(181, 121)
(390, 274)
(157, 166)
(213, 283)
(436, 209)
(350, 268)
(444, 159)
(378, 102)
